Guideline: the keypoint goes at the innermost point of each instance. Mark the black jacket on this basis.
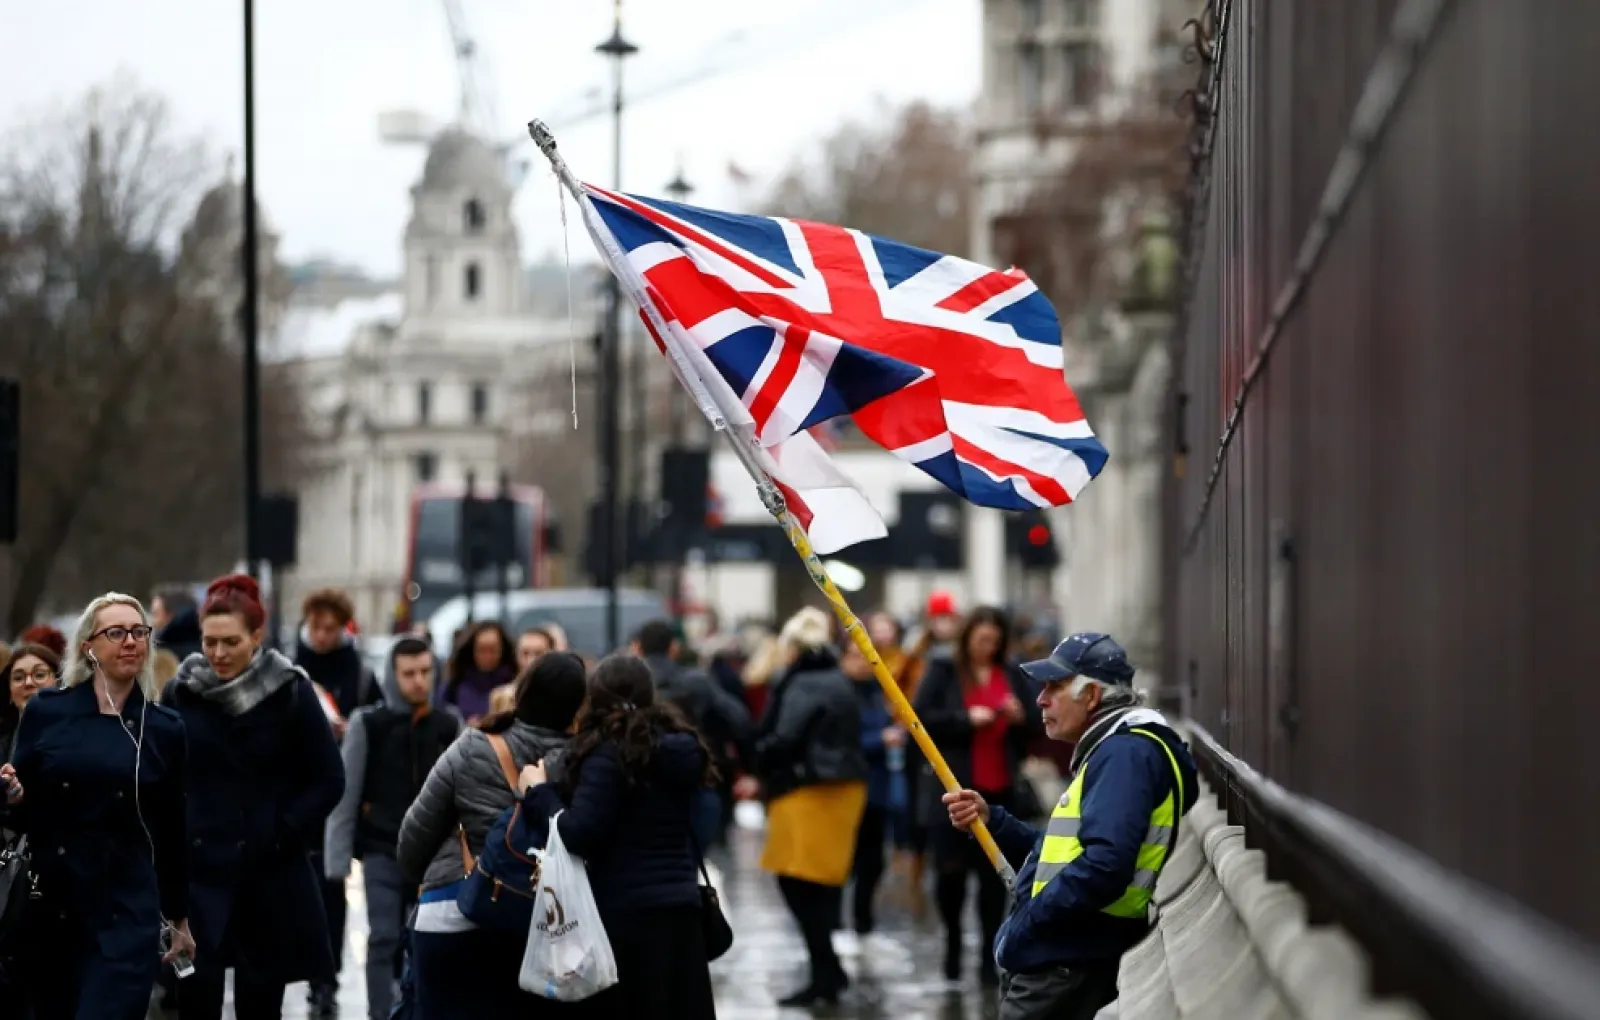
(811, 731)
(401, 747)
(181, 635)
(260, 787)
(633, 837)
(342, 673)
(106, 875)
(720, 717)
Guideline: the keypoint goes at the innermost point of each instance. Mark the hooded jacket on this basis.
(388, 751)
(1125, 777)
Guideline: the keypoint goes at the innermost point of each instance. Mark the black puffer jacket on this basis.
(811, 731)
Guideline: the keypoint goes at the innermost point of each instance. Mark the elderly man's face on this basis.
(1066, 717)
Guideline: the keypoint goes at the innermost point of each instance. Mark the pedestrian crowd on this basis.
(184, 800)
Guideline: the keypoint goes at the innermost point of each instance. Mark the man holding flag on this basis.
(1084, 884)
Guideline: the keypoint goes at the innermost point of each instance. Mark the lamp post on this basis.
(679, 190)
(617, 49)
(248, 311)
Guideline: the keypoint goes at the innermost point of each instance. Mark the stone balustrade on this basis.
(1231, 944)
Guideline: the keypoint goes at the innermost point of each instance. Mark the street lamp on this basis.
(678, 188)
(248, 313)
(617, 49)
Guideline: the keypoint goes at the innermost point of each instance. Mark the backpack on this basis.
(501, 883)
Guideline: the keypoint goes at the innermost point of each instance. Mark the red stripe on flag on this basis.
(905, 417)
(1044, 485)
(696, 296)
(979, 291)
(661, 308)
(791, 348)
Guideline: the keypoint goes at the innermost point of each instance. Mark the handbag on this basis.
(501, 883)
(714, 926)
(17, 886)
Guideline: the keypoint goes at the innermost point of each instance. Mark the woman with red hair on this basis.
(264, 774)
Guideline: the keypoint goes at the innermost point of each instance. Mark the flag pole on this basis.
(744, 449)
(773, 499)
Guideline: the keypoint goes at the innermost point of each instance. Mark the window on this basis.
(426, 466)
(480, 403)
(473, 216)
(1079, 13)
(424, 402)
(1080, 74)
(471, 283)
(1031, 80)
(1031, 15)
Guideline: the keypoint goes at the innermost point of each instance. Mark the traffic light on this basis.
(1030, 539)
(488, 531)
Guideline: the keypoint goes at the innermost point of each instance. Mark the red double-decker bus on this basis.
(433, 548)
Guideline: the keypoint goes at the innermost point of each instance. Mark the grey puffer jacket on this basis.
(466, 788)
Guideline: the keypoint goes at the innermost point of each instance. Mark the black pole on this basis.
(617, 49)
(506, 545)
(252, 383)
(464, 547)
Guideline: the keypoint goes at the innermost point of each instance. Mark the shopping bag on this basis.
(568, 956)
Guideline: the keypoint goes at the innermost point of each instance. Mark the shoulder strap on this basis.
(508, 767)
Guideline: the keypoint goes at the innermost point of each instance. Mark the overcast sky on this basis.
(325, 69)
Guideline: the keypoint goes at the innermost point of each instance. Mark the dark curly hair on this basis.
(622, 710)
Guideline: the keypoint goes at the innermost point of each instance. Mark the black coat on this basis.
(942, 708)
(104, 884)
(634, 837)
(811, 730)
(261, 785)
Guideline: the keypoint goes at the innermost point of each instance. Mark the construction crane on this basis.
(476, 111)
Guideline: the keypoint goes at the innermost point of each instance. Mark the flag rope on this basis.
(744, 449)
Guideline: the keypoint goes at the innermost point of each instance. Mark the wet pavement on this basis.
(895, 973)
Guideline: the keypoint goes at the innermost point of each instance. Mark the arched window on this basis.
(473, 215)
(471, 281)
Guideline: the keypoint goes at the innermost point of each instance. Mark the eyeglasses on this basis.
(118, 635)
(40, 675)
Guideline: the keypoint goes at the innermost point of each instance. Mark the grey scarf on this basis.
(267, 673)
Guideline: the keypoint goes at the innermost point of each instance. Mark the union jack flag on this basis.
(779, 326)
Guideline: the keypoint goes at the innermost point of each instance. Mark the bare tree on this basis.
(131, 424)
(904, 174)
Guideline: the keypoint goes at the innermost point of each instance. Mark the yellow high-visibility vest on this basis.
(1061, 846)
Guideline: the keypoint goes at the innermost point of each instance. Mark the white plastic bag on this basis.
(568, 956)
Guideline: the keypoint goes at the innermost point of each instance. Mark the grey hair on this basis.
(1111, 695)
(76, 669)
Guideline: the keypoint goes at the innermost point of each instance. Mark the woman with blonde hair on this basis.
(98, 777)
(814, 776)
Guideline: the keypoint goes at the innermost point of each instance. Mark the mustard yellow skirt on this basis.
(811, 833)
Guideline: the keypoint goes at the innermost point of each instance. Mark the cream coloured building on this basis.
(424, 383)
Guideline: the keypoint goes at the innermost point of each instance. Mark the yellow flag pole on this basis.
(744, 449)
(898, 703)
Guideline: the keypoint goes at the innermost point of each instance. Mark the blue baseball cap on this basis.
(1096, 656)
